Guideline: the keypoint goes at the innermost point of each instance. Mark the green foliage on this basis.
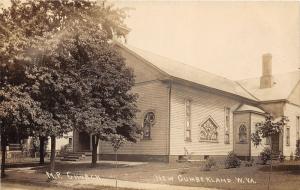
(16, 109)
(249, 163)
(265, 155)
(209, 164)
(232, 161)
(268, 128)
(61, 71)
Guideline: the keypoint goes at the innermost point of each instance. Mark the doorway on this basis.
(275, 144)
(84, 141)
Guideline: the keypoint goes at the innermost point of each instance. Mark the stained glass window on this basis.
(188, 120)
(147, 125)
(208, 131)
(227, 125)
(243, 134)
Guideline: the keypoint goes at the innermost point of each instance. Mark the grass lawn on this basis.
(285, 176)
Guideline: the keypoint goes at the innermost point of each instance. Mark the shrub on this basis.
(265, 155)
(209, 164)
(232, 161)
(281, 157)
(249, 163)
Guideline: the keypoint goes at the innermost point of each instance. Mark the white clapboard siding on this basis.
(143, 71)
(255, 151)
(295, 96)
(291, 111)
(152, 96)
(203, 105)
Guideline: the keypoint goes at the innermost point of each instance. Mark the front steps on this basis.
(14, 147)
(76, 156)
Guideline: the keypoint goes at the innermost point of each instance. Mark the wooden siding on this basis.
(291, 111)
(203, 105)
(255, 118)
(153, 96)
(275, 108)
(60, 141)
(241, 149)
(295, 95)
(143, 71)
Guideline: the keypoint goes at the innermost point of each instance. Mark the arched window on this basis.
(149, 120)
(243, 134)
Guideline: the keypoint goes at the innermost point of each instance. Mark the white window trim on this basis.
(227, 129)
(186, 118)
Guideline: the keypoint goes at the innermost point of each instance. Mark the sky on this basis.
(225, 38)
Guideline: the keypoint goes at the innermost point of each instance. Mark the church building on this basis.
(188, 111)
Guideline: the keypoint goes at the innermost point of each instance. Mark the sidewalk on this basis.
(22, 176)
(128, 184)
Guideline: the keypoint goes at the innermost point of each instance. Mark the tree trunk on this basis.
(95, 142)
(3, 150)
(52, 156)
(42, 150)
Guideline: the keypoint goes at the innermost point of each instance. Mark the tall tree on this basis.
(16, 110)
(267, 129)
(32, 32)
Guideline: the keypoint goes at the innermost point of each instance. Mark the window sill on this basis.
(209, 141)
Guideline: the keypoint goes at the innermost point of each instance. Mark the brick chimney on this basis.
(266, 80)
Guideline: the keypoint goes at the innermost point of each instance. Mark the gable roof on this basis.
(178, 70)
(249, 89)
(249, 108)
(283, 86)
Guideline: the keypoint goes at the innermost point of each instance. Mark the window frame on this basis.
(227, 123)
(245, 133)
(297, 127)
(187, 119)
(288, 136)
(215, 128)
(150, 125)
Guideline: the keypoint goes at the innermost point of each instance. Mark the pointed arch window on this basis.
(149, 120)
(243, 133)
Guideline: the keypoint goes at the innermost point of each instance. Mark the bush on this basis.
(232, 161)
(209, 164)
(281, 157)
(249, 163)
(265, 155)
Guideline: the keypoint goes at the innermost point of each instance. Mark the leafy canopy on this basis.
(268, 128)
